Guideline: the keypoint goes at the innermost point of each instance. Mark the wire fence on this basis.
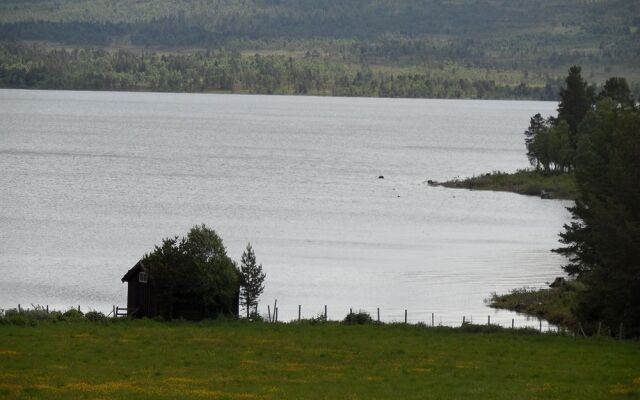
(287, 313)
(274, 313)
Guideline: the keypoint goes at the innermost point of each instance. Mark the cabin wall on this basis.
(132, 295)
(139, 299)
(142, 303)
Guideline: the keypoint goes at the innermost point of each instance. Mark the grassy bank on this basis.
(234, 360)
(526, 182)
(552, 304)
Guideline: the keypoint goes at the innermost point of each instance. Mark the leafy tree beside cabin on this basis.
(193, 277)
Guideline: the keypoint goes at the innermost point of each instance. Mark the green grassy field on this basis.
(233, 360)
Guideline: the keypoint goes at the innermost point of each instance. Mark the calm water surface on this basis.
(92, 180)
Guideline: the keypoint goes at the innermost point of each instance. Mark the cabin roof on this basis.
(138, 267)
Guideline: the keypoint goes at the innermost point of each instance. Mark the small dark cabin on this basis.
(140, 302)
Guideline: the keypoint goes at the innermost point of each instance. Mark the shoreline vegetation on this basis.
(553, 304)
(588, 153)
(527, 182)
(313, 359)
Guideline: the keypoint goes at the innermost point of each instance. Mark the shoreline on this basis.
(554, 304)
(254, 93)
(525, 182)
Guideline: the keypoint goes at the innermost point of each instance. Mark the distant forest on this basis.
(488, 48)
(33, 67)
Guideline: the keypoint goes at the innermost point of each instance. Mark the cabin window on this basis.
(142, 277)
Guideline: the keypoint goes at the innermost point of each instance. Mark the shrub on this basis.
(72, 314)
(27, 316)
(255, 317)
(468, 327)
(358, 318)
(17, 319)
(318, 319)
(95, 316)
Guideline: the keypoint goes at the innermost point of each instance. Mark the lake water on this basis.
(92, 180)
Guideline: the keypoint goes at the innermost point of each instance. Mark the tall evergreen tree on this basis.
(535, 124)
(575, 100)
(603, 241)
(618, 90)
(252, 280)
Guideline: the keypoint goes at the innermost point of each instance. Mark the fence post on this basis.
(405, 315)
(463, 318)
(325, 312)
(350, 311)
(275, 307)
(275, 312)
(540, 320)
(599, 327)
(299, 312)
(79, 308)
(268, 312)
(488, 319)
(512, 323)
(47, 309)
(432, 320)
(378, 314)
(620, 332)
(19, 309)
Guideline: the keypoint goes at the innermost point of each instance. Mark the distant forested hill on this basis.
(533, 40)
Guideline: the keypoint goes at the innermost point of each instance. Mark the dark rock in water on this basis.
(545, 195)
(558, 282)
(432, 183)
(381, 177)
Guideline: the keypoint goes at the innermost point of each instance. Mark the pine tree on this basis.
(252, 280)
(603, 240)
(575, 100)
(618, 90)
(536, 125)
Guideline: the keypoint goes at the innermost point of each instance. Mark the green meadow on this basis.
(236, 360)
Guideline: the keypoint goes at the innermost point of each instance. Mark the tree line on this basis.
(596, 136)
(552, 143)
(541, 37)
(23, 66)
(521, 52)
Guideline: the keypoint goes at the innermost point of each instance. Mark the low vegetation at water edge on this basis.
(528, 182)
(552, 304)
(235, 359)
